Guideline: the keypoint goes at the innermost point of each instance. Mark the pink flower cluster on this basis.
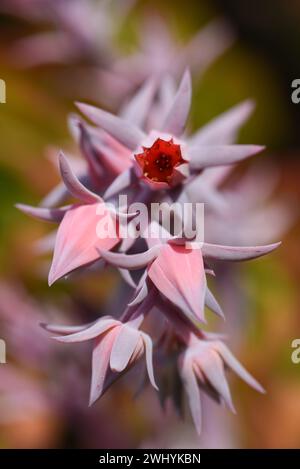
(146, 154)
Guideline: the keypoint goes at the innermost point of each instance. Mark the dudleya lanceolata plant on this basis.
(145, 156)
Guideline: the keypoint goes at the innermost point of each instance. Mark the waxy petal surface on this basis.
(77, 240)
(179, 274)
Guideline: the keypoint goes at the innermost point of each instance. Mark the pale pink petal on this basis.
(77, 239)
(213, 368)
(77, 163)
(106, 157)
(141, 291)
(183, 324)
(149, 361)
(193, 393)
(139, 311)
(212, 155)
(175, 121)
(234, 253)
(167, 93)
(123, 348)
(236, 366)
(224, 128)
(131, 261)
(126, 133)
(90, 332)
(137, 109)
(100, 364)
(60, 329)
(90, 153)
(211, 303)
(179, 274)
(53, 215)
(56, 196)
(126, 276)
(165, 285)
(120, 183)
(74, 186)
(113, 156)
(73, 121)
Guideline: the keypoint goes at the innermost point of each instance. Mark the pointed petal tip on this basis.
(84, 108)
(125, 132)
(125, 274)
(80, 105)
(261, 389)
(248, 105)
(50, 282)
(187, 75)
(73, 184)
(51, 279)
(258, 148)
(228, 402)
(155, 386)
(232, 408)
(257, 386)
(176, 118)
(201, 319)
(54, 276)
(94, 396)
(24, 208)
(62, 161)
(221, 315)
(244, 108)
(61, 156)
(273, 246)
(43, 325)
(92, 400)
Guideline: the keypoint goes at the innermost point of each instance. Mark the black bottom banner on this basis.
(134, 458)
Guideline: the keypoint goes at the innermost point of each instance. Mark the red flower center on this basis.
(159, 161)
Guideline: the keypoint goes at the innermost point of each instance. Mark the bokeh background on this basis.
(43, 387)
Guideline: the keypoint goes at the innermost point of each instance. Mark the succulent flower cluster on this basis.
(146, 154)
